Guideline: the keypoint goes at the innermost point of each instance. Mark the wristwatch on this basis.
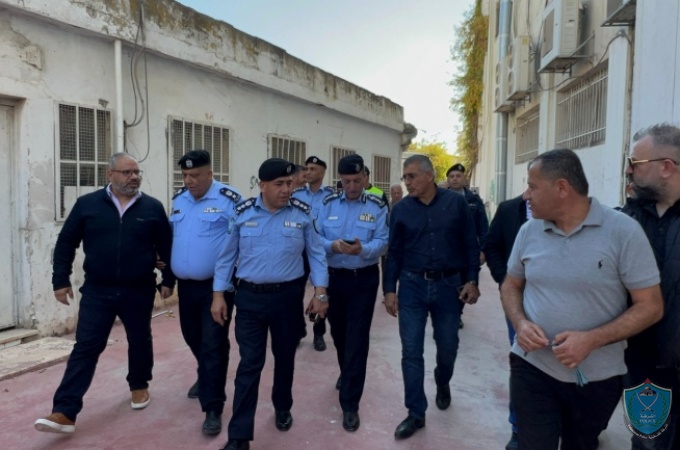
(472, 282)
(323, 298)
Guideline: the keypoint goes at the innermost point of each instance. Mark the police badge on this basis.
(647, 409)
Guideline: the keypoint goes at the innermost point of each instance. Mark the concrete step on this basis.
(16, 336)
(32, 356)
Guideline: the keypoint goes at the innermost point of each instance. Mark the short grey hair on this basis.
(663, 135)
(116, 156)
(423, 162)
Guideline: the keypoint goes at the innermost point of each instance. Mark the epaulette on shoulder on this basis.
(298, 189)
(376, 199)
(333, 196)
(241, 207)
(299, 204)
(179, 192)
(329, 189)
(230, 194)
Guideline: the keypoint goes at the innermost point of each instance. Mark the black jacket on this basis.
(659, 345)
(118, 251)
(510, 216)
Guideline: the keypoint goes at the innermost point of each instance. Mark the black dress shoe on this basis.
(193, 390)
(350, 420)
(284, 420)
(409, 426)
(338, 383)
(443, 398)
(212, 424)
(236, 444)
(319, 344)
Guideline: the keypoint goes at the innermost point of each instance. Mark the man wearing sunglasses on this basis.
(653, 177)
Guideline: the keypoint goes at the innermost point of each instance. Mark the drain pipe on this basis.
(504, 27)
(120, 132)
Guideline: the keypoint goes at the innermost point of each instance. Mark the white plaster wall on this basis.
(43, 64)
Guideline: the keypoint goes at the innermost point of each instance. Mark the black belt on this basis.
(436, 275)
(266, 288)
(355, 272)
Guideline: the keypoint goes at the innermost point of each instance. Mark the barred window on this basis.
(83, 154)
(186, 136)
(527, 137)
(381, 172)
(337, 153)
(582, 112)
(289, 149)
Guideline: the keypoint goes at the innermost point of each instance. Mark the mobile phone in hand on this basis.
(313, 317)
(348, 241)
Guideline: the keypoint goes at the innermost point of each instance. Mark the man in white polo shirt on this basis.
(569, 276)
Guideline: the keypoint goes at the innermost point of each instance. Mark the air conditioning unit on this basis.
(560, 35)
(519, 68)
(501, 103)
(619, 12)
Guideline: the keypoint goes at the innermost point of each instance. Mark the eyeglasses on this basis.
(409, 176)
(128, 173)
(632, 162)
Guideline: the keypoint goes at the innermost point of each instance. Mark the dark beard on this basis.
(645, 193)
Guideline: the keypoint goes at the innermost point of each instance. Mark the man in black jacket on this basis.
(123, 233)
(510, 216)
(653, 174)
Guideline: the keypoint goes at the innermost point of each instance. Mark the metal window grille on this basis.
(289, 149)
(186, 136)
(381, 172)
(527, 137)
(582, 112)
(337, 153)
(83, 154)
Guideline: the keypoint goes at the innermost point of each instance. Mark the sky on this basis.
(400, 49)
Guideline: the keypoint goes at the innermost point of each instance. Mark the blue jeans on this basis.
(419, 297)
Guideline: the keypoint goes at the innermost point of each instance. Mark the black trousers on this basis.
(548, 409)
(98, 309)
(207, 339)
(319, 327)
(258, 313)
(350, 312)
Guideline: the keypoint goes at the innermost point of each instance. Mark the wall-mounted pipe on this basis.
(120, 131)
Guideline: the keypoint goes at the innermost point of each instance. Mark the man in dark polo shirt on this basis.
(434, 255)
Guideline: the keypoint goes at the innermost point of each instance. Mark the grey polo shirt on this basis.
(579, 281)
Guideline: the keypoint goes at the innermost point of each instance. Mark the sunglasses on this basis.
(632, 162)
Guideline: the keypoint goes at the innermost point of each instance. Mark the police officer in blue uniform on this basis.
(201, 213)
(354, 232)
(313, 194)
(268, 237)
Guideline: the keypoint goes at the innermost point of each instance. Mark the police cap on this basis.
(194, 158)
(274, 168)
(458, 166)
(350, 165)
(315, 160)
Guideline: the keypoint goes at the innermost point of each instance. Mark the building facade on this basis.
(82, 80)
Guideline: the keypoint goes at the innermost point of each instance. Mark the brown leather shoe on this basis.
(55, 423)
(140, 398)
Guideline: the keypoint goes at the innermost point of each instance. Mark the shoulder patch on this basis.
(240, 208)
(230, 194)
(179, 192)
(376, 199)
(301, 205)
(328, 198)
(329, 189)
(298, 189)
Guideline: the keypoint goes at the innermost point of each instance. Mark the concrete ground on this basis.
(477, 418)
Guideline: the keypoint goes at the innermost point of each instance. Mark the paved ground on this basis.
(476, 419)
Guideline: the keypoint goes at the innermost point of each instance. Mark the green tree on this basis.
(436, 151)
(469, 52)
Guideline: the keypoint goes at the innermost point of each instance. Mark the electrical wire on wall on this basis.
(140, 51)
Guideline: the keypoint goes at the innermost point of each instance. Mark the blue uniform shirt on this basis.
(313, 199)
(364, 218)
(269, 246)
(200, 232)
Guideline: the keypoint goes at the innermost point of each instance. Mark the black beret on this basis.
(350, 165)
(315, 160)
(274, 168)
(458, 166)
(194, 158)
